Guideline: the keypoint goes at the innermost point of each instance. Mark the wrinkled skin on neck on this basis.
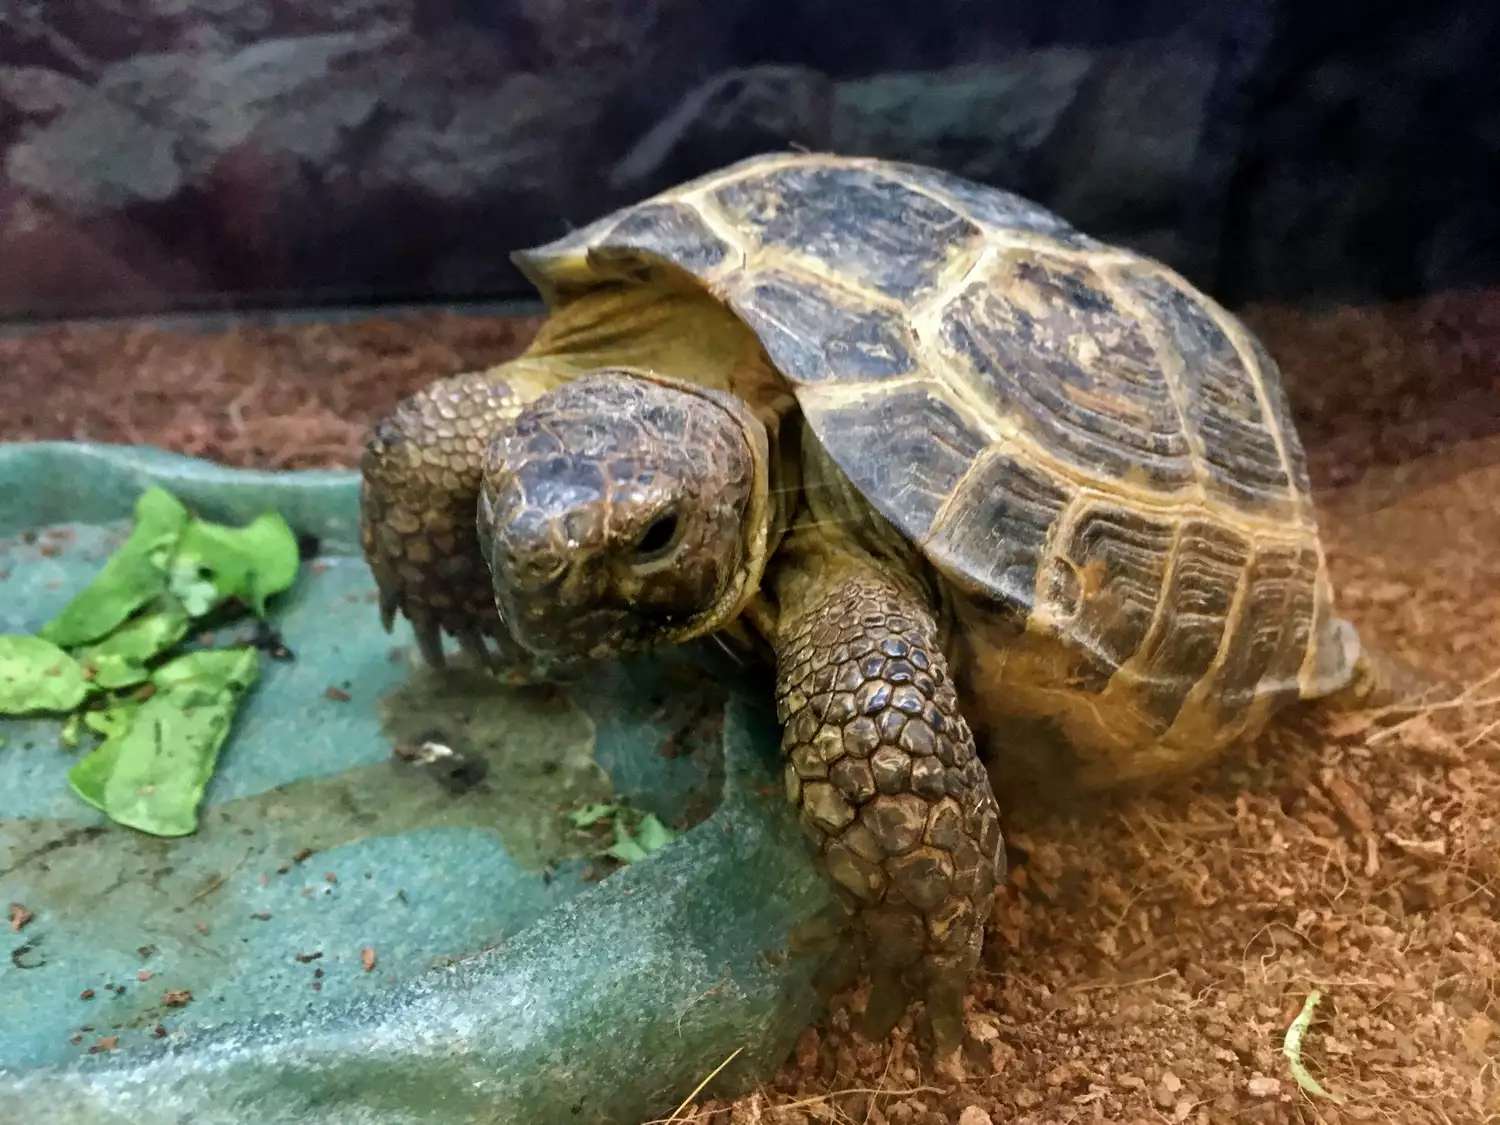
(624, 511)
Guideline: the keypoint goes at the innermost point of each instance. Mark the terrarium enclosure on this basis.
(234, 234)
(162, 154)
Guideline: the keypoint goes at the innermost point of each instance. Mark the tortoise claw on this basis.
(942, 1017)
(473, 644)
(889, 999)
(390, 605)
(943, 1011)
(430, 641)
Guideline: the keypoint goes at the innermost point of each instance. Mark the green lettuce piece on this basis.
(37, 677)
(120, 659)
(591, 814)
(112, 721)
(133, 576)
(250, 563)
(150, 774)
(650, 835)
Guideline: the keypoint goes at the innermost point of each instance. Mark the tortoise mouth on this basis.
(622, 512)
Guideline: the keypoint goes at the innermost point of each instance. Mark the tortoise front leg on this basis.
(419, 500)
(888, 787)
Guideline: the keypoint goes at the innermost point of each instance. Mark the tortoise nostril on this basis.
(534, 570)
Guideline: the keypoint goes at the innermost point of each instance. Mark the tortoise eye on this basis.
(658, 536)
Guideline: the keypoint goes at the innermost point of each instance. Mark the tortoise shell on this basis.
(1075, 437)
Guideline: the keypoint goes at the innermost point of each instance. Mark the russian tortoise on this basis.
(979, 483)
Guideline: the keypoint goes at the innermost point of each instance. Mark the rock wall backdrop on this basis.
(169, 154)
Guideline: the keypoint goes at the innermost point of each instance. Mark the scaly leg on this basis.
(418, 506)
(1374, 679)
(1380, 680)
(887, 784)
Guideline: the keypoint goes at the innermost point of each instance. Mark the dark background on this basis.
(161, 155)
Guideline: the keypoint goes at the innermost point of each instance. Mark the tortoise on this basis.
(995, 499)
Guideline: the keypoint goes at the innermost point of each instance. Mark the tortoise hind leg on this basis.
(888, 787)
(419, 497)
(1367, 677)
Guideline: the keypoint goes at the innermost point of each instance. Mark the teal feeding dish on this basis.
(392, 910)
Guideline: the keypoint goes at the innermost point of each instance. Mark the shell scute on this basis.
(907, 444)
(1049, 345)
(674, 232)
(1119, 557)
(1206, 570)
(890, 237)
(814, 335)
(999, 210)
(995, 530)
(1272, 629)
(1236, 440)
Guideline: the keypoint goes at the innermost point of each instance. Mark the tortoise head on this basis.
(622, 511)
